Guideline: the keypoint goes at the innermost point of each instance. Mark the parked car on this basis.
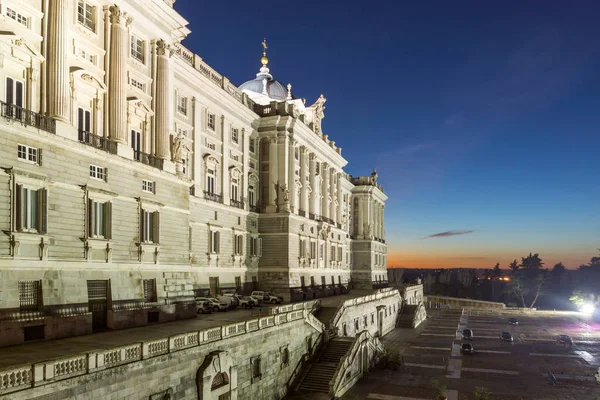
(506, 336)
(241, 301)
(513, 321)
(467, 348)
(564, 339)
(216, 304)
(266, 297)
(467, 334)
(231, 301)
(204, 307)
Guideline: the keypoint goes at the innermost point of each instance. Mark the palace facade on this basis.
(133, 176)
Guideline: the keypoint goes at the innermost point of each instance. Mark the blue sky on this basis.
(478, 117)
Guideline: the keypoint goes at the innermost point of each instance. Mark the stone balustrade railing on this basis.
(42, 373)
(306, 305)
(378, 295)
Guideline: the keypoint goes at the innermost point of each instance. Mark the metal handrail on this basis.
(27, 117)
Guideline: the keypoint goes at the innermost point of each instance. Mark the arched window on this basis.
(221, 379)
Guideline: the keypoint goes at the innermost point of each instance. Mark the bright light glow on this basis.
(587, 308)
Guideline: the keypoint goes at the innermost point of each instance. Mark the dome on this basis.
(275, 90)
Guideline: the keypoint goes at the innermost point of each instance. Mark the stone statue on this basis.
(285, 193)
(367, 229)
(179, 146)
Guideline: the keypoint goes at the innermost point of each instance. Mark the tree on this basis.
(514, 267)
(558, 269)
(495, 273)
(531, 262)
(528, 281)
(438, 389)
(481, 393)
(395, 275)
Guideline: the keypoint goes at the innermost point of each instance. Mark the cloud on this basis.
(448, 234)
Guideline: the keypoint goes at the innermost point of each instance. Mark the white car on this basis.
(216, 304)
(266, 297)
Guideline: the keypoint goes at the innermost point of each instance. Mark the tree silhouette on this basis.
(514, 267)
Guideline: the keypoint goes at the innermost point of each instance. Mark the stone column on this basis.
(340, 199)
(282, 171)
(382, 222)
(292, 175)
(361, 218)
(325, 191)
(245, 166)
(198, 160)
(56, 60)
(271, 206)
(164, 105)
(332, 210)
(225, 172)
(117, 84)
(303, 181)
(312, 180)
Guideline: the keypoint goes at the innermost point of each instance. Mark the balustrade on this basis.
(27, 117)
(98, 142)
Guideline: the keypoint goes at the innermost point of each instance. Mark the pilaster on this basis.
(58, 100)
(292, 175)
(271, 206)
(117, 88)
(303, 181)
(312, 179)
(164, 107)
(324, 191)
(225, 176)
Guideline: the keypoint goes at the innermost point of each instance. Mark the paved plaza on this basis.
(510, 371)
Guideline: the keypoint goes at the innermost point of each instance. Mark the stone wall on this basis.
(140, 371)
(376, 313)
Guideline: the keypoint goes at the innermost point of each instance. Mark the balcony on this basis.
(27, 118)
(328, 220)
(237, 204)
(302, 213)
(217, 198)
(148, 159)
(253, 207)
(98, 142)
(313, 216)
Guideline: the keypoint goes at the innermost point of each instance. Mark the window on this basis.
(149, 226)
(323, 281)
(256, 370)
(285, 356)
(211, 121)
(210, 181)
(150, 290)
(87, 56)
(27, 153)
(302, 251)
(136, 144)
(99, 219)
(14, 92)
(148, 186)
(182, 105)
(339, 254)
(184, 164)
(23, 20)
(252, 145)
(238, 245)
(214, 242)
(238, 283)
(321, 250)
(31, 209)
(29, 292)
(313, 250)
(256, 247)
(84, 120)
(234, 189)
(332, 253)
(98, 172)
(251, 196)
(86, 15)
(235, 135)
(137, 48)
(137, 84)
(302, 282)
(312, 281)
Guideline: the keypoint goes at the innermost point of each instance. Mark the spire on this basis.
(264, 60)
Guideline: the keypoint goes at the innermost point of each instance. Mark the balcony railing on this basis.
(148, 159)
(312, 216)
(302, 213)
(98, 142)
(237, 204)
(217, 198)
(339, 226)
(253, 207)
(27, 117)
(328, 220)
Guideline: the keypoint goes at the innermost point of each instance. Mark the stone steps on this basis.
(321, 372)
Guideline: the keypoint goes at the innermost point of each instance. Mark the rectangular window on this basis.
(211, 121)
(148, 186)
(138, 48)
(321, 251)
(251, 196)
(302, 250)
(234, 189)
(339, 257)
(238, 283)
(182, 105)
(23, 20)
(323, 282)
(235, 133)
(84, 120)
(214, 242)
(312, 281)
(149, 290)
(256, 368)
(27, 153)
(149, 226)
(136, 144)
(14, 94)
(137, 84)
(256, 247)
(302, 282)
(29, 295)
(252, 145)
(98, 172)
(332, 253)
(238, 244)
(99, 219)
(210, 181)
(87, 56)
(313, 250)
(86, 15)
(31, 212)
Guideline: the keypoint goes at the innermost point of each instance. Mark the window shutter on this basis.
(259, 243)
(108, 220)
(154, 187)
(90, 218)
(156, 227)
(142, 223)
(217, 241)
(105, 174)
(18, 207)
(39, 156)
(19, 94)
(42, 215)
(80, 124)
(9, 91)
(210, 241)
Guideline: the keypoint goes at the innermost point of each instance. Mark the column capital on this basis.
(163, 48)
(119, 17)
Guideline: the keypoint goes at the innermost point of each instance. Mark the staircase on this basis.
(405, 320)
(321, 372)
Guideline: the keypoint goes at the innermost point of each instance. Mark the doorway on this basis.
(214, 286)
(97, 303)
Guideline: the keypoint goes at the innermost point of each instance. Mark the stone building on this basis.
(134, 176)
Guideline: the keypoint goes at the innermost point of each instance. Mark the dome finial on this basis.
(264, 60)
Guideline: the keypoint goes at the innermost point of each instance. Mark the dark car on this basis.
(564, 339)
(513, 321)
(506, 336)
(467, 334)
(466, 348)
